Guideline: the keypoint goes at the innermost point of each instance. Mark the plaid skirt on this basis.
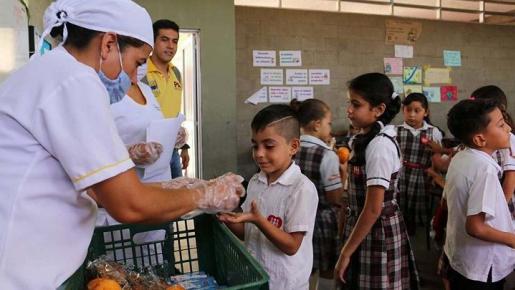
(326, 243)
(413, 192)
(384, 260)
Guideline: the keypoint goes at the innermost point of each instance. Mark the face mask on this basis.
(118, 87)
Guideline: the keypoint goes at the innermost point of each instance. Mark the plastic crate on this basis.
(199, 244)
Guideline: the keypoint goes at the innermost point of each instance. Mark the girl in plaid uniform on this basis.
(413, 137)
(320, 164)
(377, 253)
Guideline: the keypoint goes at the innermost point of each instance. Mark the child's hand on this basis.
(341, 267)
(244, 217)
(433, 146)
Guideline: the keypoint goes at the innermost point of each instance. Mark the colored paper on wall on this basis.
(279, 94)
(296, 76)
(408, 89)
(263, 57)
(449, 93)
(290, 58)
(398, 85)
(437, 76)
(412, 75)
(393, 66)
(271, 76)
(260, 96)
(432, 94)
(404, 51)
(452, 58)
(402, 31)
(319, 77)
(302, 93)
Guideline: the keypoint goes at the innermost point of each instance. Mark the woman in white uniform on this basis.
(58, 139)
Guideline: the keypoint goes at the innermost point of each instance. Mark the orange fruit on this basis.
(343, 154)
(103, 284)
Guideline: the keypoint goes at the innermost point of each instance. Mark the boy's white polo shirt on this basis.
(329, 166)
(290, 203)
(57, 139)
(472, 187)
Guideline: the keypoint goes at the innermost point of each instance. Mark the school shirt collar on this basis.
(484, 156)
(313, 140)
(424, 126)
(151, 67)
(287, 178)
(388, 130)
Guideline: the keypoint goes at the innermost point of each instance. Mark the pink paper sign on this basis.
(393, 66)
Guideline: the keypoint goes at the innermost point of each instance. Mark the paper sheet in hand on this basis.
(165, 132)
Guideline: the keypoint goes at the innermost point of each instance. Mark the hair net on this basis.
(122, 17)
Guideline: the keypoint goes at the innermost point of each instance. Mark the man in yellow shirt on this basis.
(165, 81)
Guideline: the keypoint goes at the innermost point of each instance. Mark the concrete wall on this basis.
(215, 19)
(351, 44)
(36, 10)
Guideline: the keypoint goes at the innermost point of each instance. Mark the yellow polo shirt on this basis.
(168, 91)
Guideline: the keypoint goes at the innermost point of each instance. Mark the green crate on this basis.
(199, 244)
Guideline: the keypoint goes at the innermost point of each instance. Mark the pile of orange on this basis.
(103, 284)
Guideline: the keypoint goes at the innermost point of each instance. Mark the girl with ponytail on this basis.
(377, 253)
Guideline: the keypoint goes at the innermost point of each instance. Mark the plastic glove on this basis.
(145, 153)
(182, 182)
(182, 137)
(220, 194)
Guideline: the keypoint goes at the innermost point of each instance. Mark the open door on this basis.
(187, 60)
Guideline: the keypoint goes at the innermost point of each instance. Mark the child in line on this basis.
(320, 164)
(504, 157)
(279, 212)
(480, 232)
(377, 253)
(413, 137)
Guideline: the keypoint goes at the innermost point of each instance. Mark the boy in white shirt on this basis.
(480, 238)
(279, 212)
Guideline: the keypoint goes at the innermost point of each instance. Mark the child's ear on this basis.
(479, 140)
(294, 146)
(379, 110)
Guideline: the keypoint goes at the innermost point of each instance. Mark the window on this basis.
(488, 11)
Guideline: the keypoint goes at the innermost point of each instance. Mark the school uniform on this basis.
(290, 204)
(57, 139)
(384, 260)
(132, 120)
(321, 165)
(414, 183)
(473, 187)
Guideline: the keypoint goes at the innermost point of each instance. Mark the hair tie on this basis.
(394, 95)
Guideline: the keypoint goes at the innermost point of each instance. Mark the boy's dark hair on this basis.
(376, 89)
(80, 37)
(495, 93)
(309, 110)
(469, 117)
(163, 24)
(282, 116)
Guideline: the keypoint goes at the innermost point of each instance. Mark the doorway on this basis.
(187, 60)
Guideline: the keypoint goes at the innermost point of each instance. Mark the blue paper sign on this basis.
(452, 57)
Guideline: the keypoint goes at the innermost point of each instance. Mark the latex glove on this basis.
(182, 137)
(220, 194)
(145, 153)
(182, 182)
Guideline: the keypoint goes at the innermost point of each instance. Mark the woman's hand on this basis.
(341, 267)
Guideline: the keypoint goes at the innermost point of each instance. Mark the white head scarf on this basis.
(122, 17)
